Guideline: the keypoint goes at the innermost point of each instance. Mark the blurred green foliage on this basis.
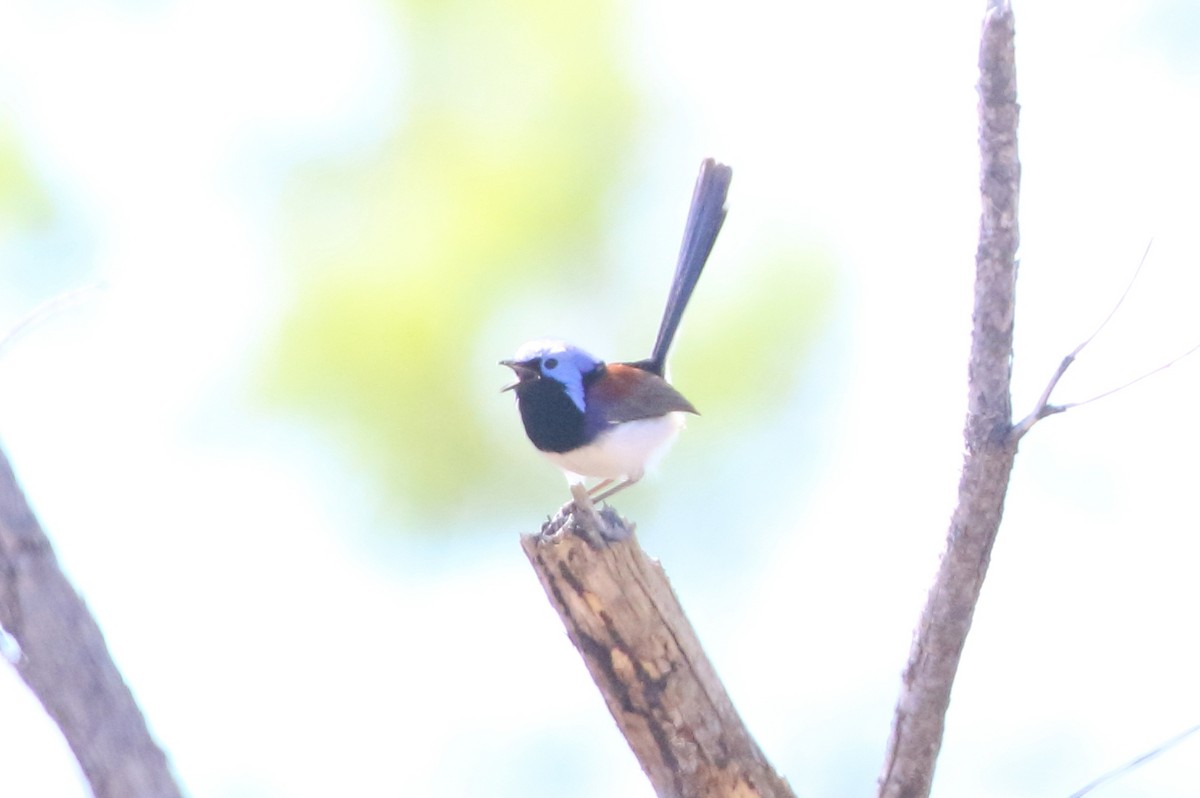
(24, 203)
(517, 121)
(516, 118)
(744, 361)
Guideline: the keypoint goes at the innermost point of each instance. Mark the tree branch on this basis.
(919, 721)
(64, 660)
(623, 617)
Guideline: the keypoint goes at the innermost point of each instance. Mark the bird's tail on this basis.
(704, 221)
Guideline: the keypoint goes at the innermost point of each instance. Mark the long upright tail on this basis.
(704, 221)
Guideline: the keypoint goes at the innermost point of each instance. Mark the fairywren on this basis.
(610, 420)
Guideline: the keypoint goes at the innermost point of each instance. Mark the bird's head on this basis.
(565, 366)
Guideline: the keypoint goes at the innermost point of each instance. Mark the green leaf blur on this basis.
(517, 121)
(23, 201)
(744, 361)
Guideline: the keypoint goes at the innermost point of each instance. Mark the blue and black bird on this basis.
(610, 420)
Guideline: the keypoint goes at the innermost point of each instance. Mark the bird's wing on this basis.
(627, 393)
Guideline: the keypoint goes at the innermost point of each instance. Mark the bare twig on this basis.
(60, 653)
(1042, 408)
(919, 721)
(1141, 760)
(1121, 301)
(1119, 388)
(626, 622)
(46, 310)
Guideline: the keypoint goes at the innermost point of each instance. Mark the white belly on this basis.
(625, 450)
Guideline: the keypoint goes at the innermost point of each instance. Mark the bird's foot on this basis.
(580, 516)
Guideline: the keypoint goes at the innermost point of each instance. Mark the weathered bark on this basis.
(627, 624)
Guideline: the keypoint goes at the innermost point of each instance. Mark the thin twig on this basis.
(1141, 760)
(1134, 381)
(1043, 408)
(46, 310)
(1121, 301)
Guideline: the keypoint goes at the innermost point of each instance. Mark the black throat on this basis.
(551, 419)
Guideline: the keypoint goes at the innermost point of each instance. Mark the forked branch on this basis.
(1043, 408)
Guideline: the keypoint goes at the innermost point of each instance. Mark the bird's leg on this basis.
(599, 528)
(599, 486)
(587, 523)
(582, 500)
(625, 483)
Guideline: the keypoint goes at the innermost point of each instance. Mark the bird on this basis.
(610, 421)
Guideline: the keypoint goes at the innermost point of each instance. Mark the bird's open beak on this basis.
(526, 371)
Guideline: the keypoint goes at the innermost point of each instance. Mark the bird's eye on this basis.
(550, 363)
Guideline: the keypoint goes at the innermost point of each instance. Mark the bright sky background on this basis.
(281, 647)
